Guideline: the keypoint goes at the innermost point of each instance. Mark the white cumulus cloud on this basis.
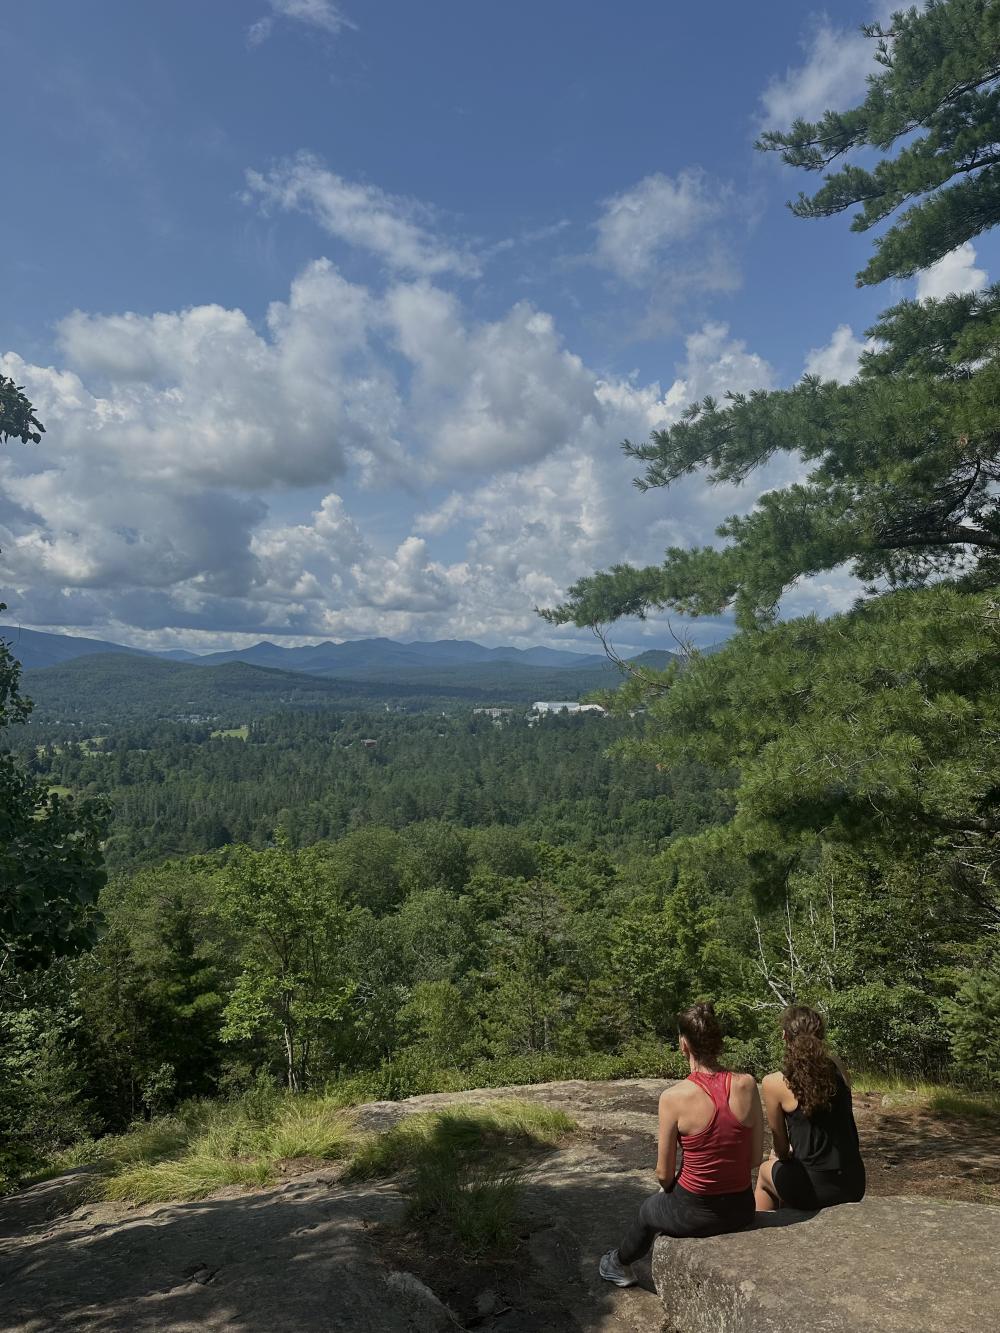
(834, 74)
(394, 229)
(149, 504)
(954, 272)
(714, 364)
(202, 396)
(638, 227)
(492, 395)
(840, 358)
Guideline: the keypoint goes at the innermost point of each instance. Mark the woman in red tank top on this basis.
(716, 1118)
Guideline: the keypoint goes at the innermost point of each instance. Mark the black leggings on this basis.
(808, 1189)
(678, 1212)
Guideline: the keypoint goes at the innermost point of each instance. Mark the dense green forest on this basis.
(463, 902)
(175, 788)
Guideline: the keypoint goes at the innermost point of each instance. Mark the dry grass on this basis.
(941, 1099)
(463, 1164)
(209, 1147)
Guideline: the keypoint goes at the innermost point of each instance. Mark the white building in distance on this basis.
(566, 706)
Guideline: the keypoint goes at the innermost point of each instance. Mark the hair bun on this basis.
(699, 1026)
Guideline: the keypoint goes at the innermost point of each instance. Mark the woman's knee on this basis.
(765, 1181)
(649, 1209)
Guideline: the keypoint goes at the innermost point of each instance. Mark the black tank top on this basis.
(828, 1139)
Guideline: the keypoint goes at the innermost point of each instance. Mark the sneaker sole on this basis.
(618, 1281)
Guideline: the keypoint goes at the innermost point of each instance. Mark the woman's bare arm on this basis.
(772, 1088)
(666, 1152)
(757, 1124)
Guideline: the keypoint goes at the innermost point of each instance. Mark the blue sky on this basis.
(336, 313)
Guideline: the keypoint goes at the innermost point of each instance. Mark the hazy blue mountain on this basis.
(446, 662)
(103, 690)
(387, 654)
(34, 648)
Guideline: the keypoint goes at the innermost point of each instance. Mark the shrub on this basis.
(973, 1022)
(753, 1055)
(413, 1074)
(895, 1029)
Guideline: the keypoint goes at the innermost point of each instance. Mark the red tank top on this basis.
(717, 1160)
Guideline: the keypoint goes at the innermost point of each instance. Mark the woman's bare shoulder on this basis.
(675, 1092)
(673, 1100)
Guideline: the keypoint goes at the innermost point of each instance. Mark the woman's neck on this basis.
(702, 1066)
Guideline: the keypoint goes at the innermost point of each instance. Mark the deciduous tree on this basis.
(288, 922)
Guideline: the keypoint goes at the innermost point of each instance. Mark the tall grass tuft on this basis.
(458, 1130)
(205, 1146)
(311, 1127)
(192, 1176)
(471, 1202)
(955, 1104)
(463, 1168)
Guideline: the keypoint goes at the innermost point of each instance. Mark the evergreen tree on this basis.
(51, 868)
(903, 465)
(938, 96)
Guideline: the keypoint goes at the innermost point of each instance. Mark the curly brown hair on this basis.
(808, 1068)
(701, 1028)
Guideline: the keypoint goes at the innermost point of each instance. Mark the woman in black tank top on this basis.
(817, 1157)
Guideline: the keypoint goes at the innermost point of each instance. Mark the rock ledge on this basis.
(887, 1265)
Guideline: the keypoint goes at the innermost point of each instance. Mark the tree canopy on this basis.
(937, 96)
(861, 744)
(898, 474)
(17, 415)
(51, 868)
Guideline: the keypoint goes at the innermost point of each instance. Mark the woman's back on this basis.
(826, 1140)
(717, 1157)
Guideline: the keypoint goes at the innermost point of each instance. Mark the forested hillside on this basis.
(462, 901)
(175, 788)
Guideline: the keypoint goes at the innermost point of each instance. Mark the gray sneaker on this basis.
(613, 1270)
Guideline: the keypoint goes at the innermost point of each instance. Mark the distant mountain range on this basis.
(93, 683)
(324, 659)
(33, 649)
